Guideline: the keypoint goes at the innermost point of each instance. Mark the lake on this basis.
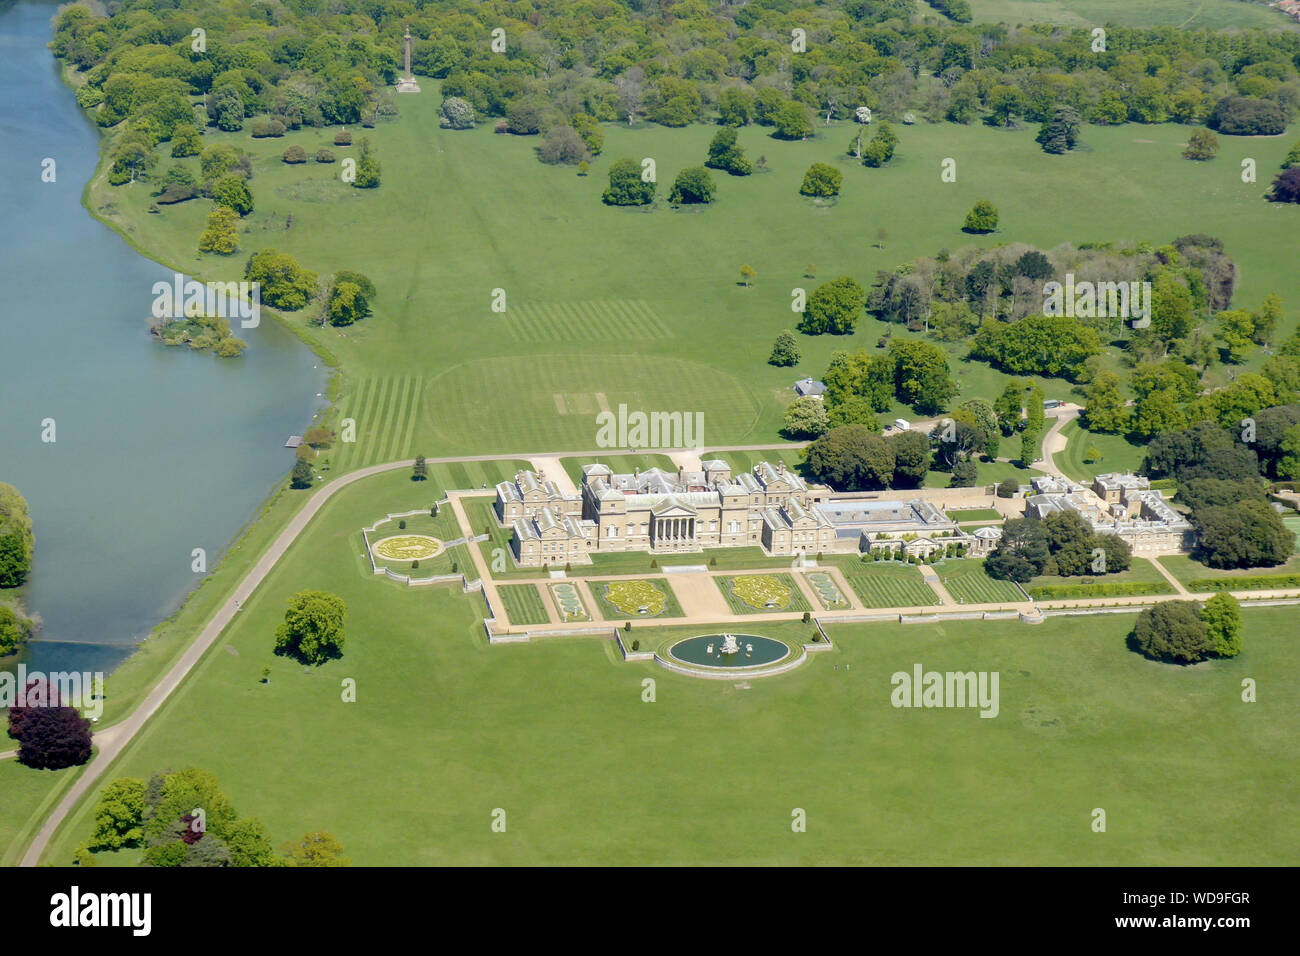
(158, 451)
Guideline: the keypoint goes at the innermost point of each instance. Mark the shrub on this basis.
(175, 194)
(295, 154)
(1173, 631)
(401, 525)
(821, 181)
(562, 144)
(636, 645)
(1247, 116)
(267, 127)
(693, 185)
(456, 113)
(324, 155)
(983, 217)
(343, 138)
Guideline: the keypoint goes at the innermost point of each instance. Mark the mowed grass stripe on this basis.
(523, 604)
(609, 315)
(459, 477)
(574, 327)
(400, 422)
(413, 415)
(356, 410)
(376, 412)
(878, 591)
(648, 318)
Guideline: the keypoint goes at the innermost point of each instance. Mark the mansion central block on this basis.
(662, 512)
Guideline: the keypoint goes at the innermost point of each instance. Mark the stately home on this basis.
(1120, 504)
(664, 512)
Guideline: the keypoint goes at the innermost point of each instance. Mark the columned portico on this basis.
(672, 532)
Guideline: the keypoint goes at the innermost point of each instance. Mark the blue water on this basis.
(159, 451)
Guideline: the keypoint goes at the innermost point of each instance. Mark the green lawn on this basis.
(968, 584)
(889, 584)
(538, 729)
(975, 514)
(1141, 578)
(1116, 453)
(1197, 577)
(638, 562)
(1185, 14)
(751, 593)
(592, 322)
(523, 604)
(28, 795)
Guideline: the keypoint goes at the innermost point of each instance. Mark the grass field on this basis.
(620, 600)
(889, 584)
(1117, 454)
(1185, 14)
(523, 604)
(966, 581)
(741, 461)
(28, 795)
(717, 559)
(1197, 577)
(751, 593)
(608, 306)
(492, 726)
(1141, 578)
(975, 514)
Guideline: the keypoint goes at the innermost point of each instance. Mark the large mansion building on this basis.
(662, 512)
(1124, 505)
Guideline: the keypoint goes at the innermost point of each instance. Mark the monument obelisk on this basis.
(407, 83)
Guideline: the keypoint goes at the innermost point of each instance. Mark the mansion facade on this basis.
(663, 513)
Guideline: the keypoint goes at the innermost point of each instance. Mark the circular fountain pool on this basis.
(708, 650)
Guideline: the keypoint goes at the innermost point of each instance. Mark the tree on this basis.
(692, 185)
(922, 378)
(119, 815)
(346, 304)
(1021, 553)
(806, 417)
(1005, 104)
(1028, 446)
(982, 218)
(317, 848)
(1201, 145)
(747, 275)
(1008, 406)
(562, 144)
(221, 235)
(367, 176)
(912, 459)
(186, 141)
(1054, 345)
(821, 180)
(1247, 116)
(456, 113)
(626, 187)
(726, 154)
(1286, 186)
(420, 471)
(1222, 617)
(250, 844)
(735, 106)
(1173, 631)
(785, 350)
(1092, 454)
(312, 631)
(524, 117)
(301, 476)
(284, 283)
(851, 458)
(1060, 134)
(1288, 463)
(15, 629)
(232, 191)
(1104, 409)
(1008, 488)
(1069, 542)
(1235, 332)
(833, 307)
(1246, 534)
(964, 474)
(882, 146)
(50, 736)
(17, 542)
(791, 121)
(294, 155)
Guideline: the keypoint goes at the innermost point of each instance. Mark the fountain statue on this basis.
(729, 645)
